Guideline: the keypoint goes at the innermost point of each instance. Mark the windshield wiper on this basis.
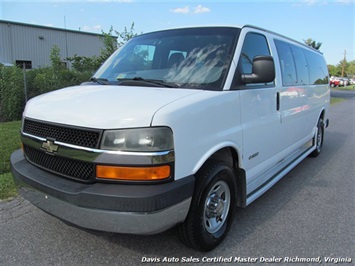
(101, 81)
(141, 80)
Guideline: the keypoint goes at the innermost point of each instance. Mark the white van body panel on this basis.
(102, 106)
(287, 133)
(202, 124)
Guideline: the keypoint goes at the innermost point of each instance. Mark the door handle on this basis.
(278, 101)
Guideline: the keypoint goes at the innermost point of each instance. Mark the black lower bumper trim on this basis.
(104, 196)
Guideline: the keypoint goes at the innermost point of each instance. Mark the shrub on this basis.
(53, 77)
(38, 81)
(12, 97)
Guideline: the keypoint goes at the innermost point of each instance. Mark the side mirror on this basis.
(263, 70)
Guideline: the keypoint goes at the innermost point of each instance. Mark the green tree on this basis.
(126, 35)
(350, 70)
(343, 65)
(334, 71)
(84, 64)
(110, 44)
(54, 57)
(312, 43)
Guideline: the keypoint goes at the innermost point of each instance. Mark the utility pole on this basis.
(344, 64)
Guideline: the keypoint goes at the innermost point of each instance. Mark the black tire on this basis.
(212, 208)
(319, 138)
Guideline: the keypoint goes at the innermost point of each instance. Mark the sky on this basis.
(330, 22)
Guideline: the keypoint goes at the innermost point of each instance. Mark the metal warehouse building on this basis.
(31, 44)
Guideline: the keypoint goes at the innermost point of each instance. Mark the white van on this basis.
(178, 127)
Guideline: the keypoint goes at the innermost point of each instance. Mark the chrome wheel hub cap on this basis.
(217, 207)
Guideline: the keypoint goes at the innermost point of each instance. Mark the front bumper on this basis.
(121, 208)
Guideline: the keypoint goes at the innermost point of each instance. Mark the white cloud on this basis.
(109, 1)
(201, 9)
(309, 3)
(345, 1)
(301, 3)
(195, 10)
(95, 28)
(181, 10)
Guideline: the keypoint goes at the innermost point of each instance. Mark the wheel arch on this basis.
(232, 156)
(322, 114)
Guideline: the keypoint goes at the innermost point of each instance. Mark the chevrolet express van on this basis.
(178, 127)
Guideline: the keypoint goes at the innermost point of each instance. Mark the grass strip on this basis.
(9, 141)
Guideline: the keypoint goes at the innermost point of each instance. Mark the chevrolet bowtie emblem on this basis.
(49, 146)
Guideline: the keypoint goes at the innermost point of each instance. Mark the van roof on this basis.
(241, 27)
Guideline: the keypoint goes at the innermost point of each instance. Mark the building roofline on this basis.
(51, 28)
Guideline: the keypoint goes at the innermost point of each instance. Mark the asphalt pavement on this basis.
(339, 93)
(307, 217)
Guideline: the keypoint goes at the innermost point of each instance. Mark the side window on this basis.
(318, 71)
(254, 44)
(288, 69)
(301, 65)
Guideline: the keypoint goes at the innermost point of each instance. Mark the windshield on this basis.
(196, 58)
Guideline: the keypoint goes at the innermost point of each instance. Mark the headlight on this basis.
(138, 139)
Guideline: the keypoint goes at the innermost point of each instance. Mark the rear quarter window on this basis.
(300, 66)
(318, 71)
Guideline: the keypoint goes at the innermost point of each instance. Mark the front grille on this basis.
(72, 135)
(74, 169)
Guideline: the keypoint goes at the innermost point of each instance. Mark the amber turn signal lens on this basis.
(133, 173)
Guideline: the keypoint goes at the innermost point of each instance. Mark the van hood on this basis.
(103, 106)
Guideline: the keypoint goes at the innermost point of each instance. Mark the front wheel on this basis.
(212, 207)
(319, 138)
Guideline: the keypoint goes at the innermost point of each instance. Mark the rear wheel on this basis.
(319, 138)
(212, 207)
